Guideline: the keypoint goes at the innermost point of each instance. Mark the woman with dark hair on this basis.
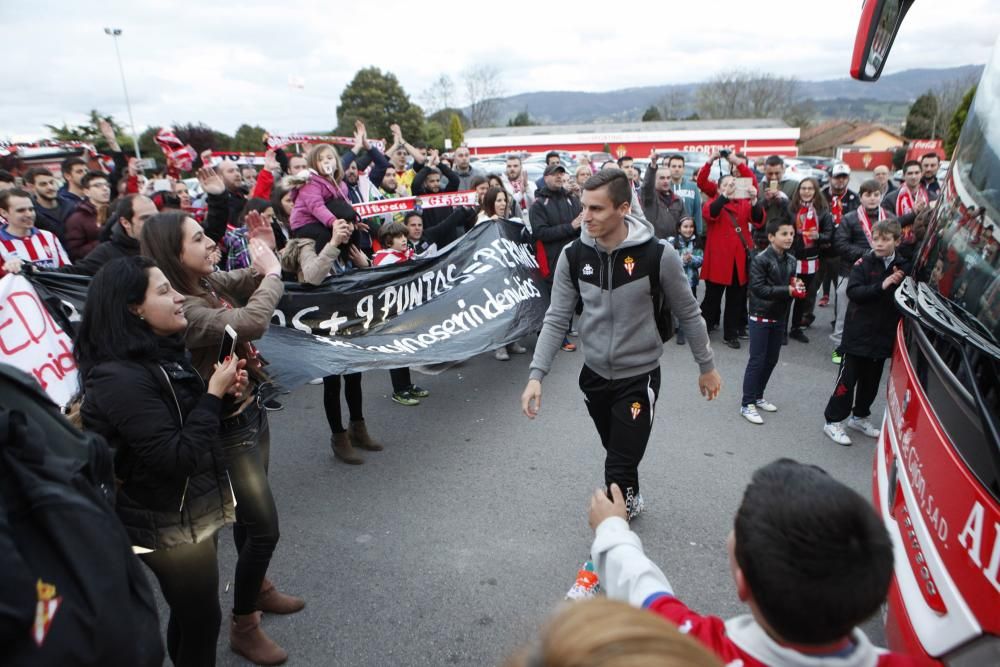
(494, 205)
(281, 204)
(235, 244)
(810, 212)
(142, 394)
(244, 300)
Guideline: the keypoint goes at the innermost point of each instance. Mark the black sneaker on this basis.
(798, 335)
(733, 343)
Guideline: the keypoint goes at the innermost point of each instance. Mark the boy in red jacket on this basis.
(808, 555)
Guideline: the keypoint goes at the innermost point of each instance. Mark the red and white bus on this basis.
(936, 475)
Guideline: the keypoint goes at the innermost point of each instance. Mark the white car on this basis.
(796, 170)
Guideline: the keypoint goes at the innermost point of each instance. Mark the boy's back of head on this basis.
(816, 557)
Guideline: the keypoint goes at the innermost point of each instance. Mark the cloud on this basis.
(227, 64)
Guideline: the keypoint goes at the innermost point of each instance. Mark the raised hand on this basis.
(263, 259)
(210, 181)
(271, 162)
(258, 228)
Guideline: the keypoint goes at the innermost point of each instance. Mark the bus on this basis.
(936, 473)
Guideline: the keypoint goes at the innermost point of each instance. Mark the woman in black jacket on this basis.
(142, 394)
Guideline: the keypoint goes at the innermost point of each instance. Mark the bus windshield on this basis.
(960, 256)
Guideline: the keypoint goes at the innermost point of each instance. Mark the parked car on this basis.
(796, 170)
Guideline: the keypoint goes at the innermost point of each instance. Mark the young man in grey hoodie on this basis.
(621, 341)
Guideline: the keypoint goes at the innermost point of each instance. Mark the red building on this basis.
(753, 136)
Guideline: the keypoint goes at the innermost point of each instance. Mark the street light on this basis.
(115, 33)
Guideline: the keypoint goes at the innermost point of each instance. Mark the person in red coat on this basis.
(728, 236)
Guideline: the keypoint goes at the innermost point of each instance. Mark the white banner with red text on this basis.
(372, 209)
(32, 341)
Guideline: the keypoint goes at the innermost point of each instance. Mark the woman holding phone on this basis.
(244, 300)
(142, 394)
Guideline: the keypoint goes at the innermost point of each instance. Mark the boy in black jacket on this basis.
(773, 284)
(869, 333)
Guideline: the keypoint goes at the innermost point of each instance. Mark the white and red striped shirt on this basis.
(40, 248)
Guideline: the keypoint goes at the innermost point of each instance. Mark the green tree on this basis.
(147, 142)
(522, 119)
(90, 132)
(378, 100)
(455, 131)
(958, 121)
(920, 119)
(248, 138)
(443, 116)
(652, 113)
(434, 135)
(201, 136)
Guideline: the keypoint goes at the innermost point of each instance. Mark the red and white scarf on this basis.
(837, 207)
(866, 224)
(806, 222)
(180, 156)
(905, 201)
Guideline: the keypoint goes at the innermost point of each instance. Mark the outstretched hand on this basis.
(601, 508)
(210, 181)
(259, 228)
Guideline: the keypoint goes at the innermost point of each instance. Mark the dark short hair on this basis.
(35, 172)
(624, 158)
(927, 155)
(124, 207)
(5, 196)
(253, 204)
(911, 163)
(6, 176)
(774, 161)
(871, 185)
(887, 228)
(108, 330)
(675, 156)
(552, 154)
(162, 239)
(774, 224)
(816, 556)
(513, 157)
(387, 232)
(619, 189)
(94, 175)
(67, 165)
(476, 181)
(412, 214)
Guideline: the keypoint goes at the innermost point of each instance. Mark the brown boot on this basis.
(274, 602)
(359, 436)
(343, 450)
(247, 639)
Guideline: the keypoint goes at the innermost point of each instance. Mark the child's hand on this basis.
(894, 279)
(601, 508)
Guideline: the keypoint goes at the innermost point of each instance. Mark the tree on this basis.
(957, 121)
(248, 138)
(90, 132)
(443, 116)
(748, 94)
(949, 95)
(201, 136)
(378, 100)
(651, 114)
(482, 91)
(455, 131)
(920, 119)
(674, 103)
(522, 119)
(434, 135)
(147, 141)
(439, 95)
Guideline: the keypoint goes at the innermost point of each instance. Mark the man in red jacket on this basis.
(728, 239)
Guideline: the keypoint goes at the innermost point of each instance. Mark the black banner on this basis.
(481, 292)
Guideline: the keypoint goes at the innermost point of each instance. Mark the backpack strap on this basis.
(661, 314)
(573, 257)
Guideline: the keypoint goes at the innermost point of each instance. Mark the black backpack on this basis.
(73, 592)
(652, 250)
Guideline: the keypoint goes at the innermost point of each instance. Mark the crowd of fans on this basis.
(175, 270)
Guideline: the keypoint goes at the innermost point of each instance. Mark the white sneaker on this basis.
(766, 405)
(862, 424)
(316, 381)
(750, 413)
(835, 432)
(501, 354)
(637, 507)
(516, 348)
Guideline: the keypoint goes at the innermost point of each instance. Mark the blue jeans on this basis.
(765, 345)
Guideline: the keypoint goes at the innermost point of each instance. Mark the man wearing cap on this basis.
(842, 201)
(556, 217)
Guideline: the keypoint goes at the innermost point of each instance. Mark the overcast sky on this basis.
(230, 63)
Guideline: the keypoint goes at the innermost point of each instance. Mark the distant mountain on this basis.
(886, 100)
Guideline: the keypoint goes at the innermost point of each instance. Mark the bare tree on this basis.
(674, 104)
(748, 94)
(949, 95)
(483, 89)
(439, 95)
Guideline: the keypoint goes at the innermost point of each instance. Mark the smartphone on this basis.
(161, 185)
(228, 346)
(772, 186)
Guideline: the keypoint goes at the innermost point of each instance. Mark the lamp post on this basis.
(115, 33)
